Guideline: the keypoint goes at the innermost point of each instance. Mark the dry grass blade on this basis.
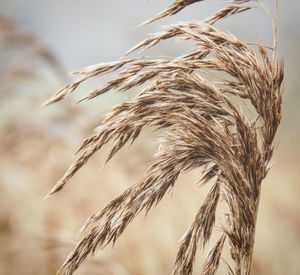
(87, 73)
(200, 230)
(228, 11)
(212, 262)
(174, 8)
(200, 127)
(241, 1)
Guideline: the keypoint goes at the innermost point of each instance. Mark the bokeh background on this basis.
(40, 41)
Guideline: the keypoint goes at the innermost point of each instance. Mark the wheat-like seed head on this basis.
(202, 127)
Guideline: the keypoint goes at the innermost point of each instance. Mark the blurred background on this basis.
(40, 41)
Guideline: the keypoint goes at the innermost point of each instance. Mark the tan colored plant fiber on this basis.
(200, 125)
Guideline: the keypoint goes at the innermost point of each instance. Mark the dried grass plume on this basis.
(201, 126)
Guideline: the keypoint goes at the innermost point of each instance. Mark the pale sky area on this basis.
(85, 32)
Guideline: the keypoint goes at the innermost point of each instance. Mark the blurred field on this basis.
(37, 145)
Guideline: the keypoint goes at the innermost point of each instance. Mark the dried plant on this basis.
(20, 48)
(21, 53)
(201, 125)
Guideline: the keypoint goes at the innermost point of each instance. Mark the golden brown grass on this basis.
(200, 126)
